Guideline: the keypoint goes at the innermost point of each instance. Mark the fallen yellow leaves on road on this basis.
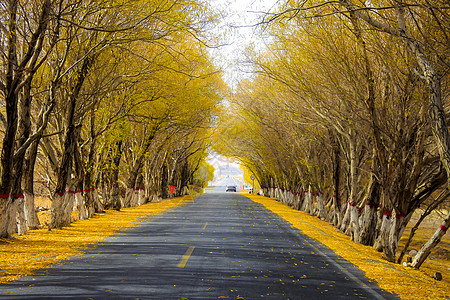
(405, 282)
(41, 248)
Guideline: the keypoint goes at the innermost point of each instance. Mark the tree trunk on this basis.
(80, 206)
(394, 233)
(58, 218)
(11, 100)
(184, 177)
(128, 197)
(28, 186)
(129, 200)
(441, 198)
(354, 221)
(164, 181)
(115, 192)
(336, 182)
(346, 218)
(13, 79)
(89, 202)
(115, 198)
(368, 225)
(21, 218)
(369, 218)
(140, 191)
(30, 211)
(320, 211)
(425, 251)
(99, 207)
(24, 132)
(382, 242)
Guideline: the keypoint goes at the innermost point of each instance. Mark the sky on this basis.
(239, 31)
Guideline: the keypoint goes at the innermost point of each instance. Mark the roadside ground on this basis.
(405, 282)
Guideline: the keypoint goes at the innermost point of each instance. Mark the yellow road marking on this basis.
(185, 257)
(204, 227)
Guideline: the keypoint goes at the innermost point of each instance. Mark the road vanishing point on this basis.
(220, 246)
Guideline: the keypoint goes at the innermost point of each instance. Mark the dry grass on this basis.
(41, 248)
(42, 202)
(407, 283)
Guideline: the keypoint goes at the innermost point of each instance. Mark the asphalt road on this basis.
(221, 246)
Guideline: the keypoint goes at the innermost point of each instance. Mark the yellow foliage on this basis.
(40, 248)
(405, 282)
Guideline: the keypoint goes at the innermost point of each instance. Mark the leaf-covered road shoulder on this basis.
(405, 282)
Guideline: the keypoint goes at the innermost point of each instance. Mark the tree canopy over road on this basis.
(107, 104)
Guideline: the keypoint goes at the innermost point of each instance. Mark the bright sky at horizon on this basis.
(239, 31)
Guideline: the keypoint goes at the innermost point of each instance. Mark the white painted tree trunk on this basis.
(305, 201)
(30, 211)
(80, 207)
(8, 224)
(297, 201)
(425, 251)
(21, 218)
(394, 233)
(62, 205)
(382, 242)
(263, 192)
(154, 198)
(346, 219)
(134, 198)
(69, 206)
(105, 196)
(285, 196)
(354, 221)
(140, 195)
(308, 201)
(320, 210)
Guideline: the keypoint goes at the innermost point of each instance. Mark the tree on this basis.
(84, 77)
(335, 75)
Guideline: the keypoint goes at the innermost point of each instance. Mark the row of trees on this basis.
(111, 98)
(347, 118)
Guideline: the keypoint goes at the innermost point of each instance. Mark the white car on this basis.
(231, 188)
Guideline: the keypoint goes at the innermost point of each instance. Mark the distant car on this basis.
(231, 188)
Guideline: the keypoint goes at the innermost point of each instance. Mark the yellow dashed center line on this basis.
(185, 257)
(204, 227)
